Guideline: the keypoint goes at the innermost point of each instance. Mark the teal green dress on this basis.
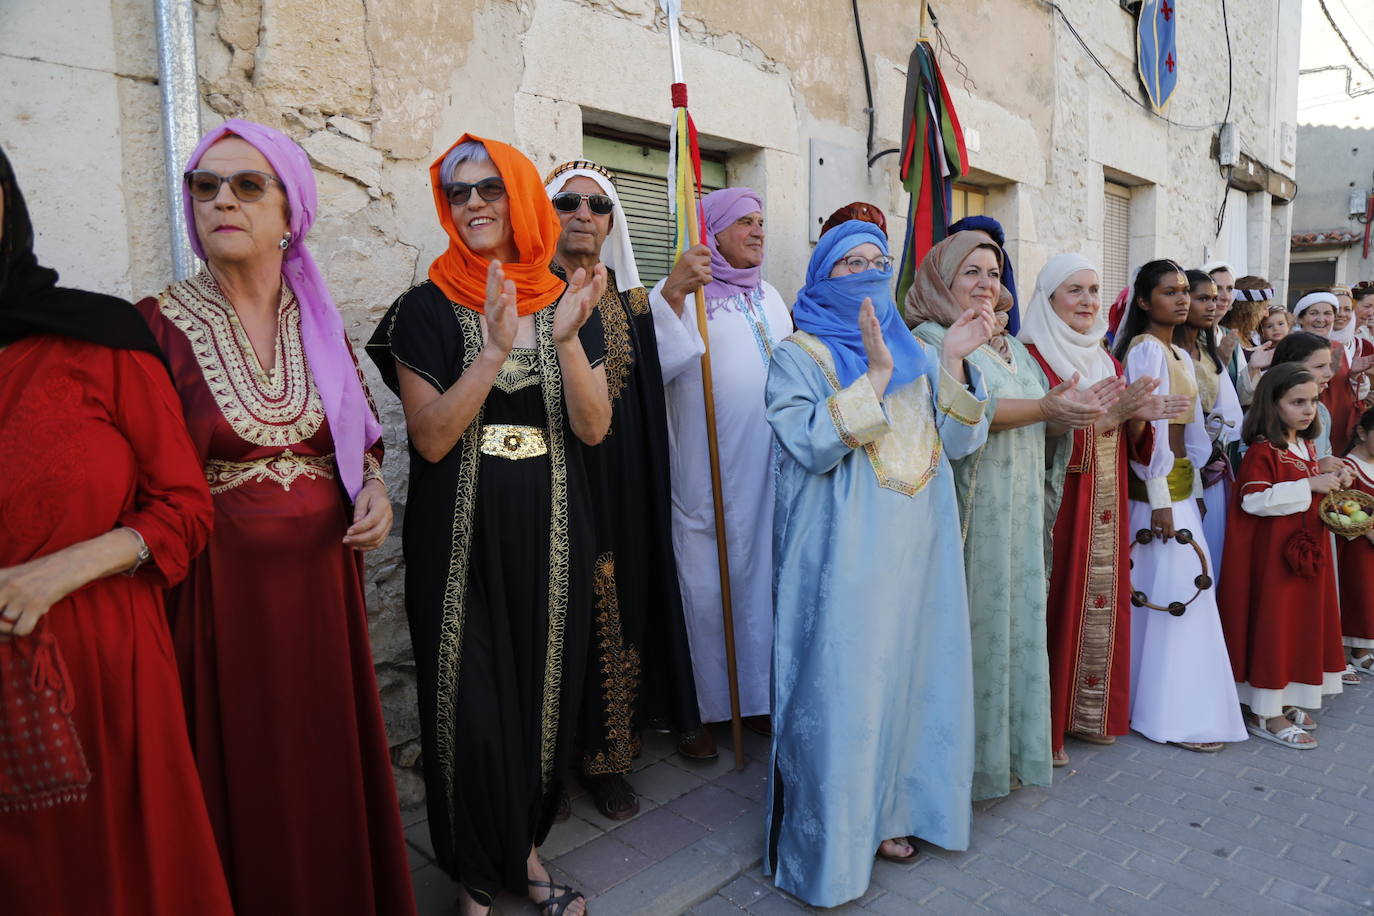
(1003, 501)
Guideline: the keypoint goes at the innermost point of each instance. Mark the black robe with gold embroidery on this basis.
(499, 549)
(639, 665)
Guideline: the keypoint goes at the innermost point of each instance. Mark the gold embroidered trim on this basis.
(639, 300)
(455, 587)
(947, 402)
(615, 328)
(519, 371)
(273, 409)
(1090, 691)
(558, 542)
(372, 468)
(837, 417)
(284, 469)
(514, 442)
(907, 457)
(620, 677)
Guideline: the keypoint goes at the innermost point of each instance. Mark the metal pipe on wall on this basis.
(176, 53)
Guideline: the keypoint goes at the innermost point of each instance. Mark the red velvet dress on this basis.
(1355, 560)
(93, 438)
(270, 630)
(1089, 608)
(1283, 630)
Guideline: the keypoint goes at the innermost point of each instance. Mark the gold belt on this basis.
(1180, 483)
(285, 469)
(513, 442)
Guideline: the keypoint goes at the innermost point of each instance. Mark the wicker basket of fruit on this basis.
(1349, 513)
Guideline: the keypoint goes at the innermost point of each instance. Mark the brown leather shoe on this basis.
(613, 796)
(698, 745)
(759, 725)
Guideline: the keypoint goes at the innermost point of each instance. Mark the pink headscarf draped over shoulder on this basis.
(721, 209)
(351, 421)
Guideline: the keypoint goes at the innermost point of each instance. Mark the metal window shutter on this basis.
(640, 176)
(1116, 239)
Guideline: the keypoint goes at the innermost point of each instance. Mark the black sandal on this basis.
(613, 796)
(556, 906)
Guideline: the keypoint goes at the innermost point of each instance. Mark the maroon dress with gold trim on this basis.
(1355, 561)
(1089, 608)
(93, 438)
(270, 629)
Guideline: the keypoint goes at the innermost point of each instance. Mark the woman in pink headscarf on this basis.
(270, 626)
(745, 319)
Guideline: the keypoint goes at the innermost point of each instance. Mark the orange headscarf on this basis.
(462, 274)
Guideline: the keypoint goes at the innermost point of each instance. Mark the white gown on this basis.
(1181, 681)
(743, 334)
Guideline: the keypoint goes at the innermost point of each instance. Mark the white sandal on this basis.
(1296, 716)
(1288, 737)
(1350, 677)
(1364, 664)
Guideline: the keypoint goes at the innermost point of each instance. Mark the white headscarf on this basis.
(1345, 337)
(1066, 350)
(616, 252)
(1311, 299)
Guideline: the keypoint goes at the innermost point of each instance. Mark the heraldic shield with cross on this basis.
(1157, 50)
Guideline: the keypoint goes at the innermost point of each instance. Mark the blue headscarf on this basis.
(829, 308)
(993, 228)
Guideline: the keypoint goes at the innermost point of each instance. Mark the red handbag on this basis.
(41, 760)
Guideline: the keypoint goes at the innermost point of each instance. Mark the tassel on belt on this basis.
(1180, 483)
(502, 440)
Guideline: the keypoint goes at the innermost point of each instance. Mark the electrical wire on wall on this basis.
(868, 89)
(1230, 170)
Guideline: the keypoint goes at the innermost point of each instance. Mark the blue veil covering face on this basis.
(829, 308)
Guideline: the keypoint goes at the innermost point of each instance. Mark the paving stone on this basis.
(1361, 895)
(1084, 885)
(715, 906)
(1173, 873)
(1305, 898)
(435, 892)
(1023, 884)
(567, 836)
(601, 864)
(1115, 875)
(743, 891)
(660, 833)
(712, 806)
(775, 904)
(1095, 843)
(662, 782)
(417, 836)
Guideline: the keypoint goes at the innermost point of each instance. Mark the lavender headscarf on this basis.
(721, 209)
(351, 421)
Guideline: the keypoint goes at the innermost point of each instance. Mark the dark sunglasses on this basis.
(247, 185)
(489, 189)
(569, 201)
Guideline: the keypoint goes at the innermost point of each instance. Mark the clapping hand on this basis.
(500, 311)
(973, 329)
(583, 293)
(1262, 357)
(875, 348)
(1361, 364)
(1066, 405)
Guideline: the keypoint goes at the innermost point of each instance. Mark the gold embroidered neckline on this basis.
(520, 370)
(276, 408)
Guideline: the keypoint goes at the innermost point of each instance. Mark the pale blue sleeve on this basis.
(816, 426)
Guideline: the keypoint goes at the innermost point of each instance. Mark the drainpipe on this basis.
(176, 53)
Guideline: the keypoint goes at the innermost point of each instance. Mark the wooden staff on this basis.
(727, 612)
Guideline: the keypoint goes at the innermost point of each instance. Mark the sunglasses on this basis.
(489, 189)
(247, 185)
(570, 201)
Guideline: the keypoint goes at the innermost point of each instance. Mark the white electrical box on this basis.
(1228, 145)
(837, 178)
(1288, 143)
(973, 141)
(1358, 196)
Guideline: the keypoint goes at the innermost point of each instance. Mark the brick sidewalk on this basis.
(1134, 828)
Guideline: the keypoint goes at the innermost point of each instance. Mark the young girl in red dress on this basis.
(1355, 558)
(1279, 607)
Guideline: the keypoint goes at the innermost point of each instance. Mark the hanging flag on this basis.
(684, 173)
(932, 157)
(1156, 50)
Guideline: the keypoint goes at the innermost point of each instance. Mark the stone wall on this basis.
(374, 90)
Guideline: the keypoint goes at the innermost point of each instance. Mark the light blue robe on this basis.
(872, 673)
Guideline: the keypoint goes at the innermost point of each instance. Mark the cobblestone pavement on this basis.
(1133, 828)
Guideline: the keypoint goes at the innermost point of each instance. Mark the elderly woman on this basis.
(1089, 611)
(1002, 499)
(498, 390)
(270, 626)
(871, 607)
(104, 813)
